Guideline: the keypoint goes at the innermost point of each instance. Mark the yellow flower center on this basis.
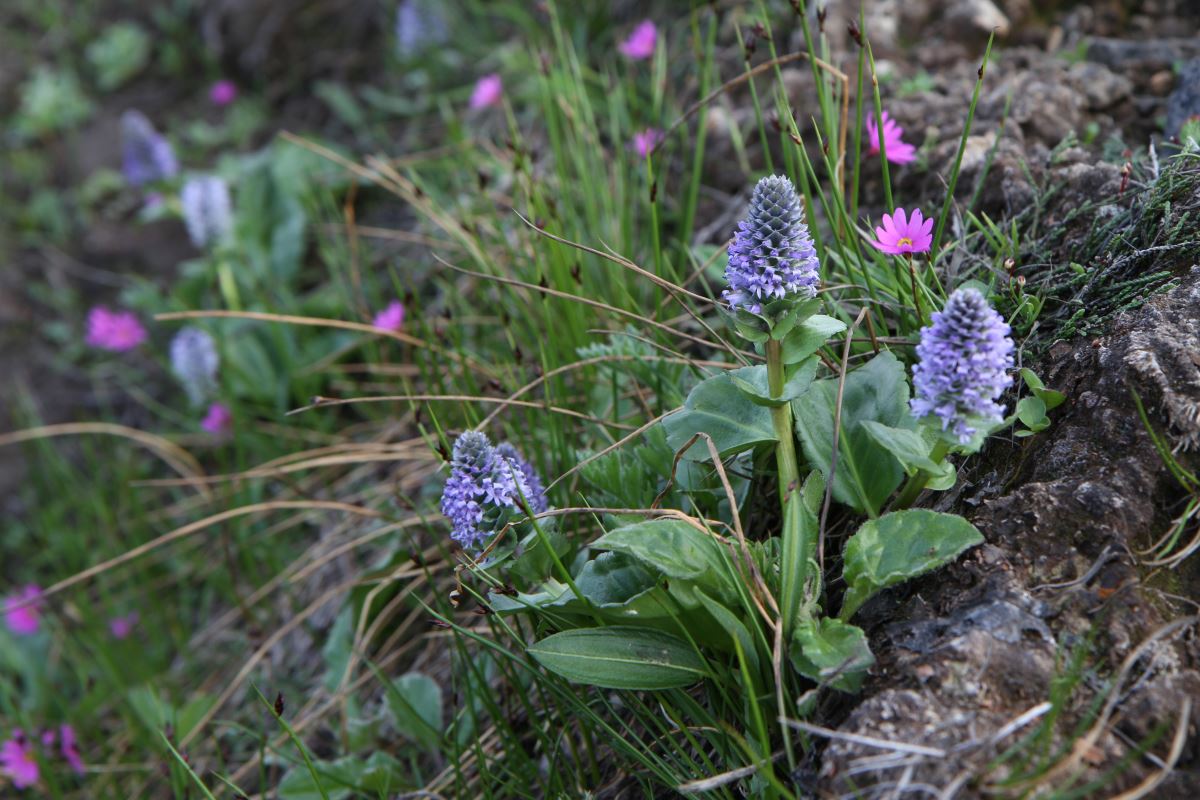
(904, 241)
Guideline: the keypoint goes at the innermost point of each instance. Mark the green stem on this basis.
(917, 482)
(794, 560)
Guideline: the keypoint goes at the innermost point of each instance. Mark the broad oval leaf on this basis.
(867, 473)
(911, 449)
(809, 336)
(719, 408)
(899, 546)
(671, 546)
(620, 657)
(831, 652)
(753, 383)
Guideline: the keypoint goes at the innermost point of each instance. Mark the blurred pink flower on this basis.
(70, 748)
(17, 761)
(223, 92)
(218, 419)
(898, 151)
(898, 235)
(121, 627)
(647, 140)
(114, 330)
(22, 611)
(391, 318)
(640, 44)
(487, 91)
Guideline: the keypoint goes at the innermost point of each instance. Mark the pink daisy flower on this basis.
(641, 43)
(645, 141)
(22, 611)
(17, 761)
(114, 330)
(898, 235)
(487, 92)
(223, 92)
(121, 627)
(218, 420)
(898, 151)
(391, 318)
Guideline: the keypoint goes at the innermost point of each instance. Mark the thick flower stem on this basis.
(917, 482)
(794, 549)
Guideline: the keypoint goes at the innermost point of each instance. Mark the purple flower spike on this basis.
(964, 359)
(194, 360)
(772, 256)
(207, 210)
(146, 155)
(482, 479)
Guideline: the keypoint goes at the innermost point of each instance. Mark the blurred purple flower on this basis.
(647, 140)
(22, 611)
(420, 25)
(487, 92)
(898, 235)
(70, 748)
(207, 210)
(194, 360)
(17, 761)
(963, 363)
(641, 43)
(118, 331)
(898, 151)
(218, 420)
(122, 627)
(390, 318)
(223, 92)
(146, 155)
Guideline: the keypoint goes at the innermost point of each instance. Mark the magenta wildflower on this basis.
(218, 420)
(70, 748)
(223, 92)
(121, 627)
(645, 141)
(22, 611)
(114, 330)
(898, 235)
(640, 44)
(487, 92)
(391, 318)
(898, 151)
(17, 761)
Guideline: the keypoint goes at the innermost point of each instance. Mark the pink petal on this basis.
(901, 222)
(640, 44)
(487, 92)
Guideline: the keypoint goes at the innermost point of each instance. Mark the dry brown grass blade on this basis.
(199, 525)
(322, 402)
(179, 459)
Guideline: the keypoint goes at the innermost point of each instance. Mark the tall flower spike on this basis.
(483, 479)
(207, 211)
(194, 361)
(964, 359)
(535, 489)
(146, 155)
(772, 256)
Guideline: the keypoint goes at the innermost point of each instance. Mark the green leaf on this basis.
(671, 546)
(867, 473)
(796, 314)
(1051, 398)
(719, 408)
(911, 449)
(809, 336)
(898, 546)
(415, 701)
(1032, 412)
(620, 658)
(732, 626)
(832, 652)
(753, 383)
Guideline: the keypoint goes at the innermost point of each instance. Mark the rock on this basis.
(1102, 87)
(1184, 102)
(975, 18)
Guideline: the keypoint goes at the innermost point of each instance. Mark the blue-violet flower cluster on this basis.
(772, 256)
(964, 359)
(146, 155)
(194, 361)
(484, 479)
(207, 210)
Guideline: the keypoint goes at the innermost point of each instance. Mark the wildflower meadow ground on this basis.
(545, 400)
